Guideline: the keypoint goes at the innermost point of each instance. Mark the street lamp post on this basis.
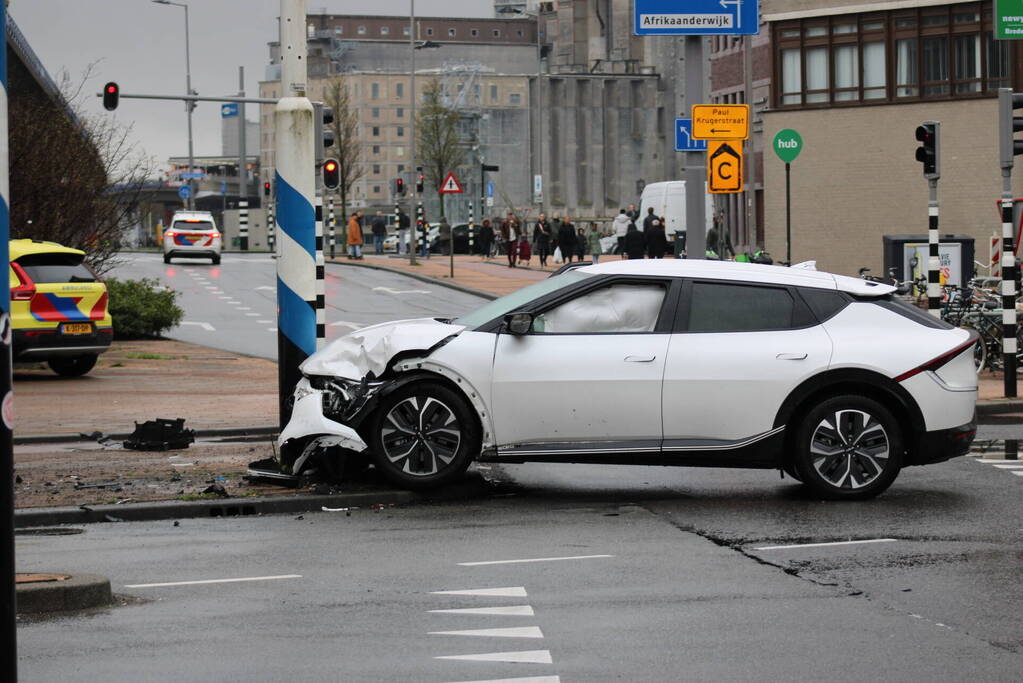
(189, 106)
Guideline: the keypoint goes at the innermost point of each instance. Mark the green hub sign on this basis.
(788, 144)
(1008, 19)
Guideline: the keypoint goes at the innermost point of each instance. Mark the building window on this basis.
(401, 168)
(376, 131)
(385, 30)
(399, 90)
(400, 112)
(519, 33)
(493, 93)
(376, 169)
(429, 31)
(895, 56)
(497, 33)
(376, 112)
(452, 32)
(376, 189)
(405, 31)
(515, 98)
(361, 30)
(474, 32)
(401, 131)
(399, 151)
(376, 149)
(374, 91)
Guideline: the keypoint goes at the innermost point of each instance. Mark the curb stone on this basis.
(78, 592)
(418, 276)
(473, 486)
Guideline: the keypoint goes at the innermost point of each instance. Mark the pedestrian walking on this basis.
(566, 239)
(648, 221)
(379, 227)
(656, 241)
(354, 239)
(510, 230)
(632, 213)
(620, 226)
(581, 243)
(593, 242)
(486, 239)
(635, 242)
(542, 239)
(525, 253)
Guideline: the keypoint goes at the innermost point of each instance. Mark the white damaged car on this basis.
(834, 380)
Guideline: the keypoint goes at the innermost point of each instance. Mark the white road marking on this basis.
(513, 611)
(207, 581)
(182, 464)
(264, 322)
(510, 592)
(244, 308)
(272, 289)
(511, 632)
(1009, 467)
(271, 329)
(233, 302)
(824, 545)
(523, 679)
(253, 315)
(225, 297)
(535, 559)
(391, 290)
(345, 323)
(1018, 474)
(205, 326)
(523, 657)
(992, 461)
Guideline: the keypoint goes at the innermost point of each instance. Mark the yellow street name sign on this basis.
(720, 121)
(724, 166)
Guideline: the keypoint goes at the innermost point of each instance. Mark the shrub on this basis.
(142, 308)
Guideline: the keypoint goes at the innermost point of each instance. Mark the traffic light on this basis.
(331, 175)
(399, 187)
(1008, 125)
(929, 151)
(111, 94)
(266, 189)
(323, 116)
(420, 180)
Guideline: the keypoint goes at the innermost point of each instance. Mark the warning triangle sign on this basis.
(451, 185)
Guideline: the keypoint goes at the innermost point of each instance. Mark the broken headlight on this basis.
(343, 398)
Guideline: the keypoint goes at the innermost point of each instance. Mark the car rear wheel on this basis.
(72, 366)
(166, 258)
(423, 435)
(216, 260)
(848, 448)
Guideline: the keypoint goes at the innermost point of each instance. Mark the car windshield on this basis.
(510, 302)
(192, 225)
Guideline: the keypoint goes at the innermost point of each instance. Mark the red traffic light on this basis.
(330, 166)
(266, 188)
(111, 95)
(331, 176)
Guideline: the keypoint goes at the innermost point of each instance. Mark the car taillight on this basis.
(170, 233)
(936, 363)
(27, 289)
(216, 235)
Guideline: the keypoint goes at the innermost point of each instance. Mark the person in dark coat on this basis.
(542, 239)
(486, 238)
(580, 244)
(656, 241)
(648, 221)
(566, 239)
(379, 227)
(635, 242)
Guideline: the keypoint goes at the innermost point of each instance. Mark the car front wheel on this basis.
(72, 366)
(423, 435)
(848, 448)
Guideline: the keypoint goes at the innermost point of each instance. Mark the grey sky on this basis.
(141, 45)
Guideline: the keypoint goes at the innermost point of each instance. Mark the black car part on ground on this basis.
(160, 434)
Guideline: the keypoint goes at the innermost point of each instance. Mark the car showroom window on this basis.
(617, 308)
(718, 307)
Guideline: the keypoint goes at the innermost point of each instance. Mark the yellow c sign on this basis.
(724, 166)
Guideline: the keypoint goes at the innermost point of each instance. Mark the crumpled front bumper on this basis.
(307, 420)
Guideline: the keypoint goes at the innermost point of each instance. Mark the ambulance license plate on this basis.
(76, 328)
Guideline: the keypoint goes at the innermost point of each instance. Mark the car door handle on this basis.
(791, 356)
(640, 359)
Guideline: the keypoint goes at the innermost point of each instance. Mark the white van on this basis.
(668, 199)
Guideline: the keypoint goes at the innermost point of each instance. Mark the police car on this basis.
(192, 234)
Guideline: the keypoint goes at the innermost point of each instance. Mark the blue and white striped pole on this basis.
(8, 627)
(296, 189)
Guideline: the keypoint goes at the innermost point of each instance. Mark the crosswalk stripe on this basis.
(512, 632)
(513, 611)
(510, 592)
(522, 657)
(525, 679)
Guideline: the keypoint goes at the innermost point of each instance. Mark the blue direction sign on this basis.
(490, 188)
(696, 17)
(228, 110)
(684, 141)
(184, 192)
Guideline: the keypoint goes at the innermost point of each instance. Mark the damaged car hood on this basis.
(371, 349)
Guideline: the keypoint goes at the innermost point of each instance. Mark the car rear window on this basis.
(719, 307)
(824, 302)
(908, 310)
(192, 225)
(55, 268)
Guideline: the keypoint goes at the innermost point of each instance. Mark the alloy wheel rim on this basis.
(421, 435)
(849, 449)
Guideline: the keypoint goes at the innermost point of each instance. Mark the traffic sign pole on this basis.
(787, 145)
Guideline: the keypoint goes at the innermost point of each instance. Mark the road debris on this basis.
(160, 434)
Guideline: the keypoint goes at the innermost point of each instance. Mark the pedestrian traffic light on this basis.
(929, 151)
(331, 174)
(1008, 125)
(111, 95)
(266, 189)
(420, 180)
(399, 187)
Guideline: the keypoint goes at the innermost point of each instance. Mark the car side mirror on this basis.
(519, 323)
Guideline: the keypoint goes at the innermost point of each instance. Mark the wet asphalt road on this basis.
(673, 580)
(233, 306)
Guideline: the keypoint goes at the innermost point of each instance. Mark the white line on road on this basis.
(345, 323)
(824, 545)
(253, 315)
(510, 592)
(993, 461)
(264, 322)
(524, 657)
(1009, 467)
(534, 559)
(244, 308)
(1019, 474)
(271, 329)
(205, 326)
(207, 581)
(391, 290)
(511, 632)
(525, 679)
(512, 611)
(225, 297)
(265, 287)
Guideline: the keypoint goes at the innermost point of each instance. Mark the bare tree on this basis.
(437, 141)
(76, 179)
(347, 145)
